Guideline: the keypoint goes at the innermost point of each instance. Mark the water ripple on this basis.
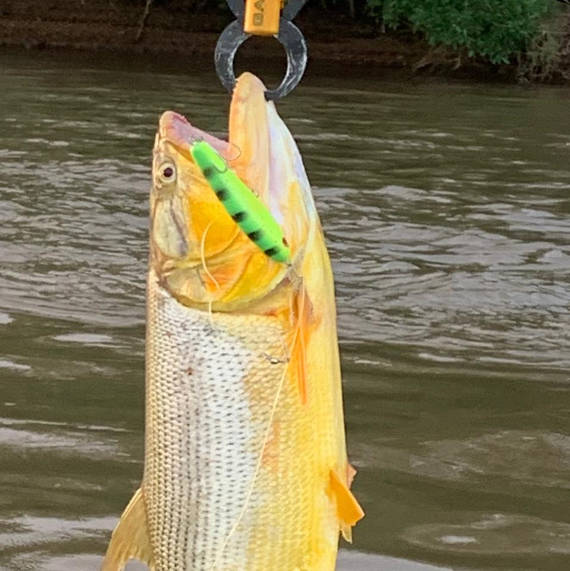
(446, 211)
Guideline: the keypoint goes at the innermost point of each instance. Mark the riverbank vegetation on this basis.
(534, 33)
(528, 40)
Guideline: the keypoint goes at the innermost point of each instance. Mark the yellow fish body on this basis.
(245, 456)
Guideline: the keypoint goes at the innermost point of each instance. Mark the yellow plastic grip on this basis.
(262, 17)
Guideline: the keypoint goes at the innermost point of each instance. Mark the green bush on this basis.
(495, 29)
(547, 56)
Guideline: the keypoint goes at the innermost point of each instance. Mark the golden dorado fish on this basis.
(245, 455)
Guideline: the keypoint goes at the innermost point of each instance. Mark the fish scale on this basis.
(218, 439)
(207, 455)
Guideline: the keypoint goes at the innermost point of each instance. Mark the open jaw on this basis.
(176, 129)
(219, 262)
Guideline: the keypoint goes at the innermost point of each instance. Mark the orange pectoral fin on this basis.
(348, 508)
(302, 311)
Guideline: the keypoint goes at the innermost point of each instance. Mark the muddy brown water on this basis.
(446, 208)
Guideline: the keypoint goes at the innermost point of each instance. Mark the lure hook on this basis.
(289, 36)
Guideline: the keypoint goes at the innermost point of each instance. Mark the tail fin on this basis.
(130, 539)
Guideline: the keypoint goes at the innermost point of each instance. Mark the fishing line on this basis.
(264, 444)
(206, 270)
(203, 255)
(231, 159)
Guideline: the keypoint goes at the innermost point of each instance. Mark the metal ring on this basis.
(290, 38)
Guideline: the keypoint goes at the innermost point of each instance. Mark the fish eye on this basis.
(167, 172)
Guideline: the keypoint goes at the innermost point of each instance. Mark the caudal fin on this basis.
(130, 539)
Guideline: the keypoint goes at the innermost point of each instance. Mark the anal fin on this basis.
(130, 539)
(348, 508)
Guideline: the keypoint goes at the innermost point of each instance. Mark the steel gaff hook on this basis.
(289, 36)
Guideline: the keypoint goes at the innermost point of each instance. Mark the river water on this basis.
(446, 208)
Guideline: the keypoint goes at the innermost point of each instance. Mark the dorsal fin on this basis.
(130, 539)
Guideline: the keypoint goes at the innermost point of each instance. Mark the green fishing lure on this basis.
(251, 215)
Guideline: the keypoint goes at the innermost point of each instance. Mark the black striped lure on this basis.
(251, 215)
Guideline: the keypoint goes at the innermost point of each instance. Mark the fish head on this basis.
(188, 222)
(198, 252)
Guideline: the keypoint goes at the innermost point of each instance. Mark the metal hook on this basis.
(289, 36)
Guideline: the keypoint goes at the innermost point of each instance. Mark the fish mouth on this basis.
(180, 133)
(197, 249)
(176, 130)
